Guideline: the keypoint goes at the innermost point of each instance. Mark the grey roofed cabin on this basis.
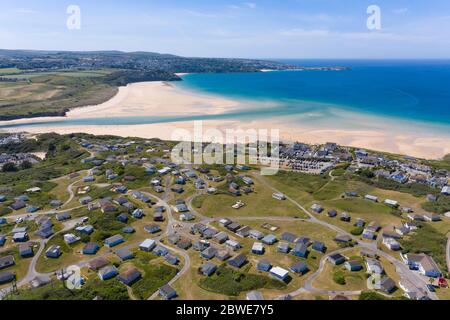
(269, 239)
(167, 292)
(353, 265)
(289, 237)
(114, 240)
(332, 213)
(299, 267)
(26, 250)
(198, 228)
(343, 238)
(124, 254)
(171, 259)
(300, 250)
(184, 244)
(209, 233)
(222, 254)
(2, 240)
(283, 247)
(108, 272)
(319, 246)
(255, 234)
(336, 259)
(91, 248)
(152, 228)
(45, 233)
(98, 263)
(238, 261)
(264, 265)
(160, 251)
(17, 205)
(6, 262)
(129, 276)
(208, 269)
(303, 240)
(255, 295)
(387, 285)
(200, 245)
(234, 226)
(63, 216)
(6, 277)
(244, 231)
(221, 237)
(209, 253)
(53, 251)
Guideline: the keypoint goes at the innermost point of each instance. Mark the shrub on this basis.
(339, 277)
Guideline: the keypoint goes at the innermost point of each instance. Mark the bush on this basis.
(428, 240)
(339, 277)
(9, 167)
(441, 206)
(370, 295)
(357, 231)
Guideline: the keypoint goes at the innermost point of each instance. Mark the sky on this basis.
(309, 29)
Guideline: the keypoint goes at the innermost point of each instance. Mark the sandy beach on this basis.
(166, 99)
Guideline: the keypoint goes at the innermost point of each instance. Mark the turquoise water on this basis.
(406, 90)
(412, 90)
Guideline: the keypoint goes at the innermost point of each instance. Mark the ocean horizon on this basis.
(407, 93)
(415, 90)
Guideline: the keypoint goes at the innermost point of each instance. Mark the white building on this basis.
(391, 203)
(279, 273)
(70, 238)
(446, 190)
(258, 248)
(391, 244)
(147, 245)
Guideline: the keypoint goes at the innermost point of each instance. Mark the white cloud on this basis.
(243, 5)
(401, 10)
(250, 5)
(25, 11)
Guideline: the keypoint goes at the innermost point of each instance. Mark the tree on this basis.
(9, 167)
(26, 165)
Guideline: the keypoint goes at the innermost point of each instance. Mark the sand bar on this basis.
(166, 99)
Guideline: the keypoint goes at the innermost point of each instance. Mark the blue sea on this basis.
(409, 90)
(416, 91)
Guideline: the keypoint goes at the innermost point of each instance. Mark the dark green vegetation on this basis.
(428, 240)
(442, 205)
(441, 164)
(232, 283)
(153, 275)
(339, 277)
(303, 182)
(357, 231)
(107, 290)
